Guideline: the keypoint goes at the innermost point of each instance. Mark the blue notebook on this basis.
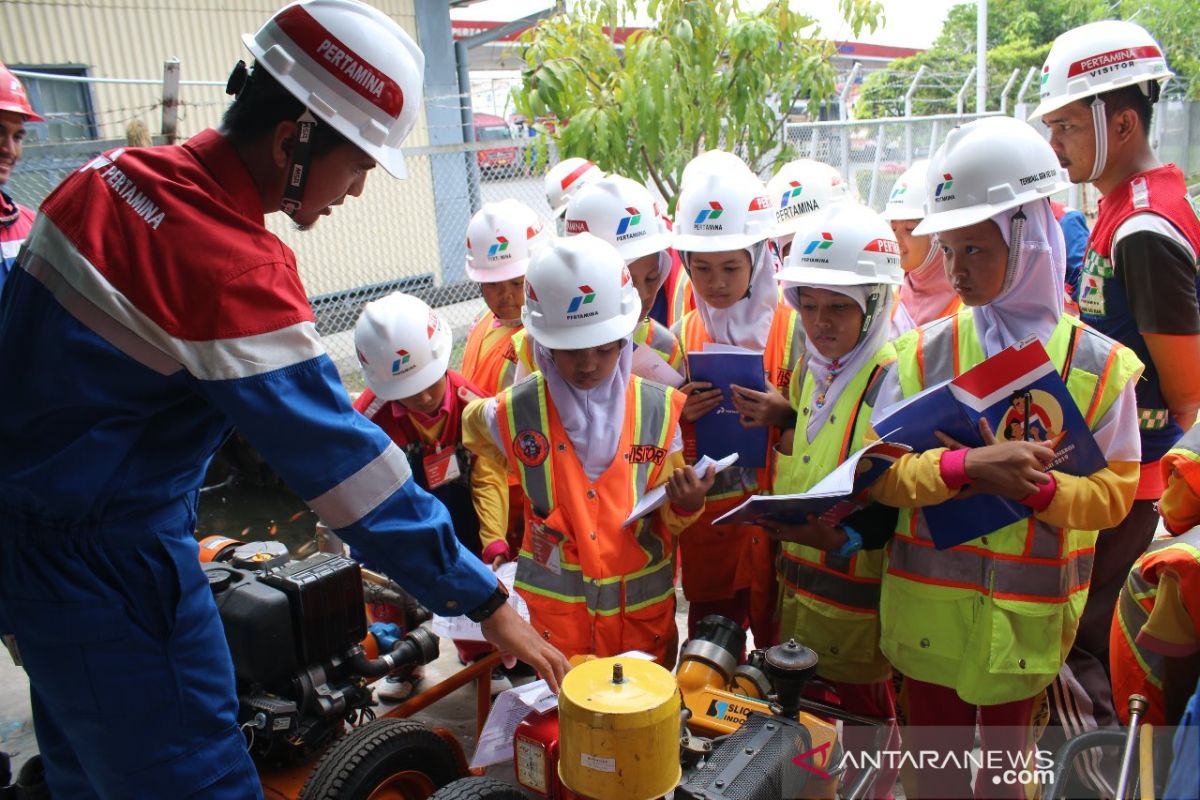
(720, 431)
(1020, 393)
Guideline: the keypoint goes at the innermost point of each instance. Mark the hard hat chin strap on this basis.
(1100, 129)
(298, 163)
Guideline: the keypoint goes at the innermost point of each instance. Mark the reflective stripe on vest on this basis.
(830, 583)
(1042, 572)
(822, 576)
(650, 333)
(527, 416)
(1137, 598)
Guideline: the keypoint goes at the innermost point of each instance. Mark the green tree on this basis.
(1019, 36)
(706, 74)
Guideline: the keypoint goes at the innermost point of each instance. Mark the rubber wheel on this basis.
(390, 759)
(479, 789)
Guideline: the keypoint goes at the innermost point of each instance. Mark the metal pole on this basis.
(1019, 108)
(170, 99)
(1008, 88)
(1137, 707)
(879, 145)
(844, 116)
(933, 138)
(908, 109)
(462, 63)
(962, 93)
(981, 26)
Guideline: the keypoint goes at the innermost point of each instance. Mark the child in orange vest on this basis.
(501, 238)
(724, 221)
(404, 348)
(621, 212)
(588, 441)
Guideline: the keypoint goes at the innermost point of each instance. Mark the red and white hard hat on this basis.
(1096, 58)
(403, 346)
(623, 213)
(567, 177)
(848, 244)
(13, 97)
(804, 187)
(719, 211)
(984, 167)
(501, 238)
(907, 200)
(578, 294)
(352, 66)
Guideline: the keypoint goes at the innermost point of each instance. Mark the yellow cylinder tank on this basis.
(618, 729)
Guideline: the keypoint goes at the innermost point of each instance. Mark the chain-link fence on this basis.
(410, 235)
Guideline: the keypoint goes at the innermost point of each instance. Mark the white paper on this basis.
(513, 705)
(464, 629)
(658, 495)
(650, 365)
(714, 347)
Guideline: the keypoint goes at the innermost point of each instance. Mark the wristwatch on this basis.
(490, 606)
(854, 542)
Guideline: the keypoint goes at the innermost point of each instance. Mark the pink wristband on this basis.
(496, 548)
(1040, 499)
(953, 468)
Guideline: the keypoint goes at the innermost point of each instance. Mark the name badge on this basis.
(441, 467)
(545, 547)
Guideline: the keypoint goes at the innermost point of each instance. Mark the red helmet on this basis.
(13, 97)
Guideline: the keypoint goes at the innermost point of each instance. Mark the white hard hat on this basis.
(501, 238)
(846, 245)
(1096, 58)
(567, 177)
(623, 213)
(985, 167)
(803, 187)
(710, 161)
(403, 346)
(722, 211)
(578, 294)
(352, 66)
(907, 200)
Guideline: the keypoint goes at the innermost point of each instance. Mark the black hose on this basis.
(419, 646)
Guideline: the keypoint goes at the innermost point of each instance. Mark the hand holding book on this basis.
(1012, 469)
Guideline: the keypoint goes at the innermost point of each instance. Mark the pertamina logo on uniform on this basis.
(586, 297)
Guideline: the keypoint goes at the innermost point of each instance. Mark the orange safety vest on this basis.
(592, 585)
(1136, 669)
(652, 334)
(678, 287)
(718, 562)
(493, 370)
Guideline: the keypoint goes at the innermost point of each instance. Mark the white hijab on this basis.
(845, 368)
(746, 323)
(592, 418)
(1031, 298)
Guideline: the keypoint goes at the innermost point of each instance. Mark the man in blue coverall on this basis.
(149, 312)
